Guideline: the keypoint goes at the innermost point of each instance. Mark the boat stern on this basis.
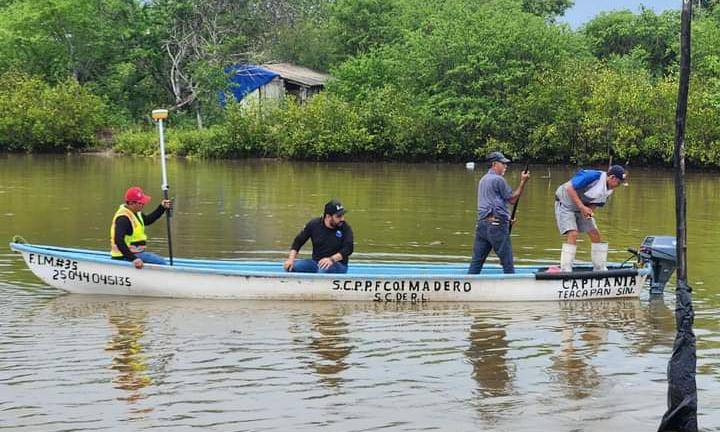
(659, 253)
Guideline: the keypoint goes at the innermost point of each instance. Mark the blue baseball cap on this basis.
(497, 157)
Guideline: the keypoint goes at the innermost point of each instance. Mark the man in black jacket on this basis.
(332, 240)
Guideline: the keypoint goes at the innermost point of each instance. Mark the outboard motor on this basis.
(660, 252)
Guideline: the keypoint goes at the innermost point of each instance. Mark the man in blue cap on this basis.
(492, 231)
(575, 202)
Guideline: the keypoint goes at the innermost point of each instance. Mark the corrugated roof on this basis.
(299, 74)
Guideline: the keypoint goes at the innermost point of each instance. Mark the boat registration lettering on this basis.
(95, 278)
(389, 297)
(597, 287)
(401, 290)
(52, 261)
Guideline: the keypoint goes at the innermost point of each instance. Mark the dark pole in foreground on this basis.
(159, 115)
(512, 216)
(681, 414)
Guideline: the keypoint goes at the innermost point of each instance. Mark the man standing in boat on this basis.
(575, 202)
(127, 231)
(492, 231)
(332, 240)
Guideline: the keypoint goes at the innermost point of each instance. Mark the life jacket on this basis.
(135, 242)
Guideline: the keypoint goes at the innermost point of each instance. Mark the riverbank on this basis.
(334, 126)
(148, 149)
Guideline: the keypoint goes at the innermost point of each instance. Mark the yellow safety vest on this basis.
(136, 241)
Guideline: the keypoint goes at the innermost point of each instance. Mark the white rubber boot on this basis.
(599, 253)
(567, 256)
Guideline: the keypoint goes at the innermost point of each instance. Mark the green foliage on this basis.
(703, 125)
(705, 47)
(248, 130)
(344, 29)
(100, 44)
(360, 25)
(551, 110)
(179, 142)
(400, 126)
(648, 35)
(708, 4)
(412, 80)
(205, 143)
(138, 142)
(325, 128)
(464, 66)
(308, 44)
(631, 115)
(547, 8)
(35, 116)
(587, 112)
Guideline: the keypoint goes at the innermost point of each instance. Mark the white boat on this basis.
(94, 272)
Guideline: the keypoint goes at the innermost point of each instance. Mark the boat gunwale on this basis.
(96, 257)
(63, 252)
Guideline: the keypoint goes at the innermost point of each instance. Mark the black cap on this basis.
(618, 171)
(334, 207)
(497, 157)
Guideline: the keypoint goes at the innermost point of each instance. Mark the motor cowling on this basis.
(661, 253)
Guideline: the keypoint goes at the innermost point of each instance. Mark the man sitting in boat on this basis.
(127, 232)
(492, 231)
(575, 202)
(332, 240)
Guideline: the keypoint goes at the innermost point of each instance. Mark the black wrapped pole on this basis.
(512, 216)
(681, 414)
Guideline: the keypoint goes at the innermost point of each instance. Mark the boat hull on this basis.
(88, 272)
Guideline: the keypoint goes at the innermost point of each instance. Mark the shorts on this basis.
(569, 220)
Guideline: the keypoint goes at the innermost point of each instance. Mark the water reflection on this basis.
(488, 364)
(127, 318)
(661, 326)
(331, 345)
(129, 359)
(584, 330)
(487, 353)
(573, 366)
(646, 325)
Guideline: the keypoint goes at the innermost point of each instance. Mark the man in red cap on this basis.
(127, 231)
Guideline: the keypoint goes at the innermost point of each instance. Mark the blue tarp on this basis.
(245, 79)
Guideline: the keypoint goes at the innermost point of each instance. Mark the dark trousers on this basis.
(492, 235)
(311, 266)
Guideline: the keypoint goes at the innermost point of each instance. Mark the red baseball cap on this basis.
(136, 194)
